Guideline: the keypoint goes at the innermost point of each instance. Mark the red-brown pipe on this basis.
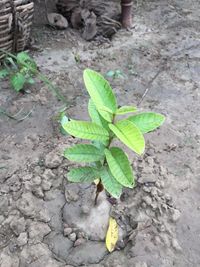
(126, 16)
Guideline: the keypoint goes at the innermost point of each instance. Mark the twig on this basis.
(149, 85)
(13, 117)
(3, 167)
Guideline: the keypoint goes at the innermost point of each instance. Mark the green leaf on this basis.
(82, 174)
(101, 94)
(125, 110)
(18, 80)
(147, 121)
(99, 145)
(95, 116)
(110, 183)
(3, 73)
(11, 63)
(30, 80)
(84, 153)
(86, 130)
(119, 166)
(63, 120)
(129, 134)
(23, 57)
(110, 73)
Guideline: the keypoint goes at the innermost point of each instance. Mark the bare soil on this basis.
(43, 218)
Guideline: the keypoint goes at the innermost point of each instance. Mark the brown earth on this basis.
(43, 218)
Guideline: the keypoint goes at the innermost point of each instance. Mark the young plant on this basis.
(19, 74)
(107, 163)
(21, 69)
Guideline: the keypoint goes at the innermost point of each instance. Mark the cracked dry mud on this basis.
(43, 218)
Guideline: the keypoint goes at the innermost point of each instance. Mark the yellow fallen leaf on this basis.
(112, 235)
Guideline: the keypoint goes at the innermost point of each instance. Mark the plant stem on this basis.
(99, 190)
(100, 185)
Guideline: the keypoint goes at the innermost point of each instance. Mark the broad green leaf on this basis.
(99, 145)
(112, 235)
(95, 116)
(110, 183)
(82, 174)
(125, 110)
(147, 121)
(101, 94)
(23, 57)
(3, 73)
(86, 130)
(119, 166)
(18, 80)
(130, 135)
(84, 153)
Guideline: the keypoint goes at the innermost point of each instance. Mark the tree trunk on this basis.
(126, 16)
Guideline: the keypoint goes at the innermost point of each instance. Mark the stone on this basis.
(22, 239)
(67, 231)
(14, 183)
(175, 215)
(150, 161)
(79, 242)
(147, 200)
(37, 191)
(48, 174)
(26, 205)
(85, 209)
(46, 185)
(71, 193)
(37, 231)
(72, 237)
(53, 160)
(57, 20)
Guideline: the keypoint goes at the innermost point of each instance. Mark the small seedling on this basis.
(107, 163)
(115, 74)
(21, 69)
(19, 74)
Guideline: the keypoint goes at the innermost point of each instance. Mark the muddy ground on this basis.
(46, 221)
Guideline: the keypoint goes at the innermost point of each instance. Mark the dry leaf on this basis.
(112, 235)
